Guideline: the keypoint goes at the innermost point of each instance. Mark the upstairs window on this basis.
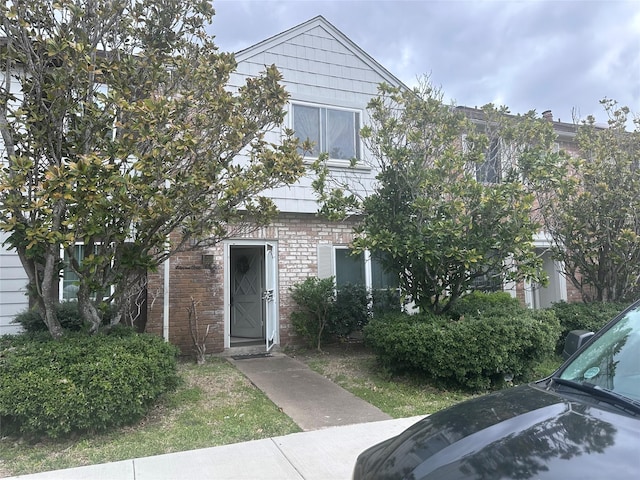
(333, 131)
(489, 171)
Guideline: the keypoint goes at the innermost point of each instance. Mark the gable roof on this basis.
(308, 26)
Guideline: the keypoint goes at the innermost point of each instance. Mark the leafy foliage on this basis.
(324, 311)
(315, 299)
(436, 225)
(592, 209)
(386, 300)
(120, 128)
(475, 353)
(350, 311)
(67, 314)
(82, 383)
(480, 303)
(583, 316)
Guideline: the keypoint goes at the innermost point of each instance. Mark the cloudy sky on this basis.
(563, 55)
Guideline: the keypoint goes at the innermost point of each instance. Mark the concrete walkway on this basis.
(308, 398)
(338, 427)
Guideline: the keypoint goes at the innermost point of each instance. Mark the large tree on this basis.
(120, 128)
(449, 207)
(593, 213)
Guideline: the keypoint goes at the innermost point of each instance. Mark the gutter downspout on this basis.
(165, 302)
(165, 297)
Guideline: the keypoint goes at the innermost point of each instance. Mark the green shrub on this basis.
(67, 313)
(474, 353)
(82, 383)
(314, 298)
(480, 303)
(350, 310)
(386, 300)
(583, 316)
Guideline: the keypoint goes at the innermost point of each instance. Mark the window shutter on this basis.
(325, 261)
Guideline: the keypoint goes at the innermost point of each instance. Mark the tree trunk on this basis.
(87, 309)
(47, 293)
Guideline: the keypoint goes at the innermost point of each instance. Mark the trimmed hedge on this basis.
(473, 353)
(82, 383)
(583, 316)
(481, 303)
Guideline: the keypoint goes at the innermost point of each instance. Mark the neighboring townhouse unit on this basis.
(531, 294)
(13, 278)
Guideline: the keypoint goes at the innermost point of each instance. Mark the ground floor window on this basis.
(70, 280)
(69, 277)
(347, 267)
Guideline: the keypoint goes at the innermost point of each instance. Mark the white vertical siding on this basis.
(13, 278)
(318, 66)
(13, 281)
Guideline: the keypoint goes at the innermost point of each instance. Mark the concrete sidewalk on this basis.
(327, 454)
(337, 426)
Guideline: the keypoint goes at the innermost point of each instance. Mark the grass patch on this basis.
(355, 369)
(214, 405)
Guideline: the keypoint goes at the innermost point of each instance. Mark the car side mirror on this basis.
(574, 341)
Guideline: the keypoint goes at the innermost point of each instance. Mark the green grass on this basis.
(356, 370)
(214, 405)
(217, 405)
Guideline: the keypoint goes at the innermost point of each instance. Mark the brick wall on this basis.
(297, 236)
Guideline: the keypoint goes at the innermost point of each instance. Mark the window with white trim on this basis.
(490, 170)
(334, 131)
(70, 280)
(359, 269)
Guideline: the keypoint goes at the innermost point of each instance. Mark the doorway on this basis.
(250, 299)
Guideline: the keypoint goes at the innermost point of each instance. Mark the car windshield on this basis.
(611, 361)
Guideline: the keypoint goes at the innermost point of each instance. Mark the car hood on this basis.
(518, 433)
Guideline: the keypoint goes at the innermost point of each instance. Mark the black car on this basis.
(583, 422)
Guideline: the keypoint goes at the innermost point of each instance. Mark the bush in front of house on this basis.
(481, 303)
(386, 300)
(81, 383)
(350, 310)
(475, 352)
(322, 311)
(583, 316)
(67, 313)
(314, 298)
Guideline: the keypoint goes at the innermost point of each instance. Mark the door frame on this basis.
(557, 287)
(227, 246)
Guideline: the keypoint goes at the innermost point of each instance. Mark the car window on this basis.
(612, 360)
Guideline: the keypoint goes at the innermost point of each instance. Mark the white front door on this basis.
(269, 295)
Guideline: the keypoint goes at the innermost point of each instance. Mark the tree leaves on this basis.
(125, 130)
(439, 228)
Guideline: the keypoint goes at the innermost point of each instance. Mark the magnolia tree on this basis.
(119, 129)
(449, 206)
(592, 209)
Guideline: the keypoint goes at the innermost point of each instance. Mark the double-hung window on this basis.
(334, 131)
(490, 170)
